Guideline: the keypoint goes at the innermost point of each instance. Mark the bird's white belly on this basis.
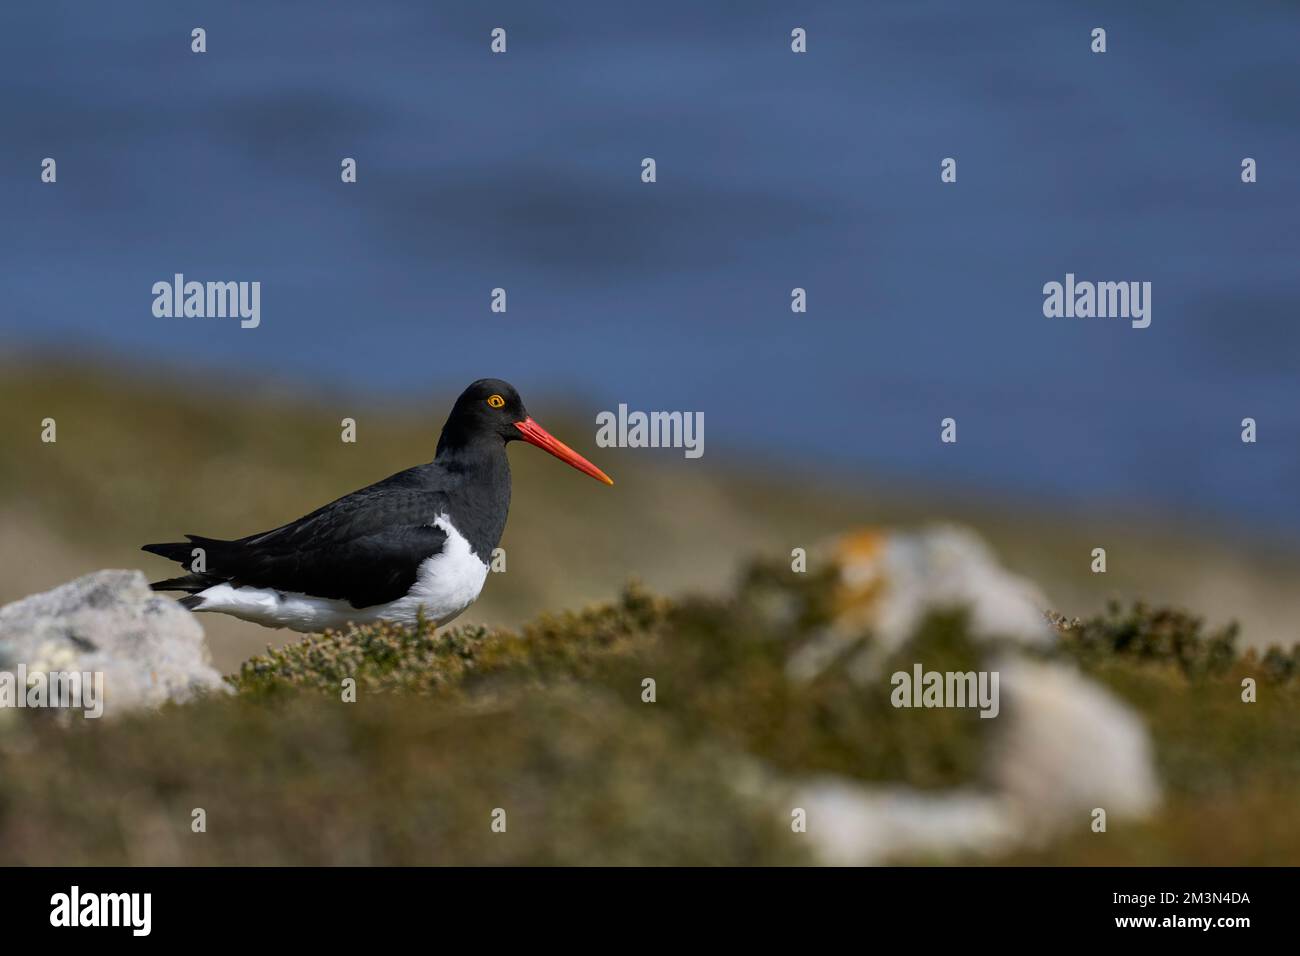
(445, 584)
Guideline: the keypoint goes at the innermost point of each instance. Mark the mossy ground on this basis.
(549, 723)
(1230, 769)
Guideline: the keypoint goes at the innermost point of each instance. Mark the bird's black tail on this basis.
(180, 551)
(183, 552)
(193, 583)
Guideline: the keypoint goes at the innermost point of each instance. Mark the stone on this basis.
(149, 649)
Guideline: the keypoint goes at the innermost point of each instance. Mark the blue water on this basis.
(775, 170)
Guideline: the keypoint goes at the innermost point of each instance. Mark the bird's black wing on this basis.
(364, 548)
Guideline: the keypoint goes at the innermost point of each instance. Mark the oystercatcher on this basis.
(420, 539)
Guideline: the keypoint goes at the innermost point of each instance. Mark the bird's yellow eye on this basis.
(496, 401)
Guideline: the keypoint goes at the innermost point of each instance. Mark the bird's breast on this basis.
(451, 580)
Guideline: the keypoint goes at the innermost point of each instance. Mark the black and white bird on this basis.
(416, 542)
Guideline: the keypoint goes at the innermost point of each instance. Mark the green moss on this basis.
(549, 723)
(1143, 634)
(719, 667)
(391, 779)
(385, 658)
(1230, 769)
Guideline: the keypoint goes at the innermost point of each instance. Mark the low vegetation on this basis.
(553, 725)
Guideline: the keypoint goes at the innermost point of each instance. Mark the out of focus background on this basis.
(775, 170)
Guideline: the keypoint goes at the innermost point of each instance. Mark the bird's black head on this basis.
(491, 410)
(488, 407)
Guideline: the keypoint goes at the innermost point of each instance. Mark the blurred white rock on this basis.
(149, 648)
(854, 825)
(892, 580)
(1062, 745)
(1068, 745)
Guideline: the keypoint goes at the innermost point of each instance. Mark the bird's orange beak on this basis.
(535, 434)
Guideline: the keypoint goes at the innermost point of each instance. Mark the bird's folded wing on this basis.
(365, 548)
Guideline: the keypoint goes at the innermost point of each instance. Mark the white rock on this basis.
(909, 574)
(1062, 745)
(851, 824)
(1067, 746)
(890, 580)
(149, 648)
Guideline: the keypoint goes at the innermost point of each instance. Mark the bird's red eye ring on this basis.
(496, 401)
